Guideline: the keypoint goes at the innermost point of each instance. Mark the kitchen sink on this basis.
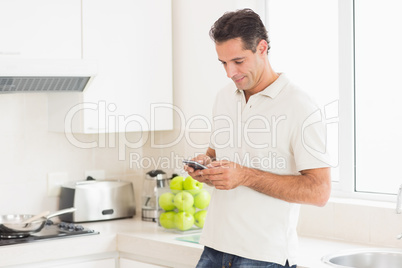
(365, 258)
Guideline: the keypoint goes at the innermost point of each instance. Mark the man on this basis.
(260, 160)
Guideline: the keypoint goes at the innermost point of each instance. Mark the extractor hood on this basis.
(32, 75)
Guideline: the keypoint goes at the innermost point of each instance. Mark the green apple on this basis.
(183, 221)
(199, 218)
(191, 210)
(183, 200)
(202, 199)
(166, 201)
(166, 219)
(176, 184)
(192, 186)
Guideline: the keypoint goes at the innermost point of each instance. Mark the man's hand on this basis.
(196, 174)
(224, 175)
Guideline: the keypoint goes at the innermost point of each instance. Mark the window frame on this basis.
(346, 187)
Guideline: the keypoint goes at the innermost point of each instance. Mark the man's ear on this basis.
(262, 47)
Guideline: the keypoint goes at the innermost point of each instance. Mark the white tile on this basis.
(385, 225)
(316, 221)
(351, 223)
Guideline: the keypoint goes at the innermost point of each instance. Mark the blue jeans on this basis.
(212, 258)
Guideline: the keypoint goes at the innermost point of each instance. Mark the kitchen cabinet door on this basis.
(82, 262)
(108, 263)
(40, 29)
(132, 43)
(126, 263)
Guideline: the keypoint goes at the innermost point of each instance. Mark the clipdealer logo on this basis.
(238, 132)
(328, 116)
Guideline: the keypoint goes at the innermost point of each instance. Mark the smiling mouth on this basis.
(237, 80)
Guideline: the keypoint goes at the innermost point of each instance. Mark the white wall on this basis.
(29, 152)
(358, 221)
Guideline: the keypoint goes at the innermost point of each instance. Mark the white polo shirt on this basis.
(277, 131)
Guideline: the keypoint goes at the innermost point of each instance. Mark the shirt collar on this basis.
(273, 89)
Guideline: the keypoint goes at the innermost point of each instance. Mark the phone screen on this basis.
(194, 165)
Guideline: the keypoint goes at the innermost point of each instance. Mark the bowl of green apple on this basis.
(184, 207)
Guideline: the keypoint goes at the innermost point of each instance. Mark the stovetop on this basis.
(51, 231)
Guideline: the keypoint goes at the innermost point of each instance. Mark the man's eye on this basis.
(238, 62)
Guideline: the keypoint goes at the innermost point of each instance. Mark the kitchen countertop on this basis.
(144, 241)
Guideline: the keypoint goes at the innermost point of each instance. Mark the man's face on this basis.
(244, 67)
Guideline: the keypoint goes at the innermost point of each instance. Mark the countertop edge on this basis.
(146, 241)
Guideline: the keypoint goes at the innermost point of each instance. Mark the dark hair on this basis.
(243, 23)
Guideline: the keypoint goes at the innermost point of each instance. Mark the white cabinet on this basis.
(127, 263)
(40, 29)
(79, 262)
(132, 44)
(108, 263)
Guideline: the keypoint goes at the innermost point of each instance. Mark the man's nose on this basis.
(231, 70)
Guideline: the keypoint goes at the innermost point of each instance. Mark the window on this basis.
(347, 55)
(378, 95)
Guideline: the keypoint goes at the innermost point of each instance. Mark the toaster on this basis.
(97, 200)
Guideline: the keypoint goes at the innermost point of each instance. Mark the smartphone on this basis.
(194, 165)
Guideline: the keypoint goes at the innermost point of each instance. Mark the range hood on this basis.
(31, 75)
